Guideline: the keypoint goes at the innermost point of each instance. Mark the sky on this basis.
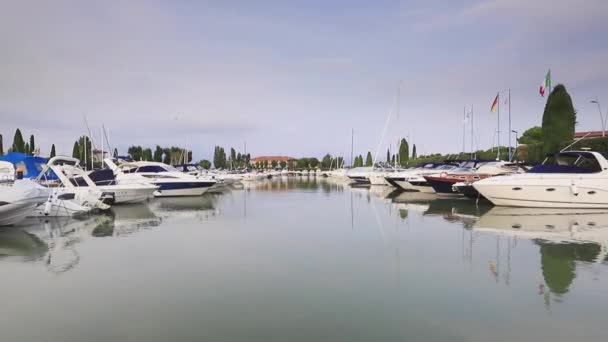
(293, 77)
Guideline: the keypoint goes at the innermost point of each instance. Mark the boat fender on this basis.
(443, 174)
(573, 189)
(47, 206)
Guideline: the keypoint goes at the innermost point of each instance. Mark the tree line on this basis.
(222, 161)
(22, 146)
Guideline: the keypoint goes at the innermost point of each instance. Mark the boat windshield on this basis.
(445, 167)
(569, 162)
(463, 170)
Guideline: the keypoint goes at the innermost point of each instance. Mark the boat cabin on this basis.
(573, 162)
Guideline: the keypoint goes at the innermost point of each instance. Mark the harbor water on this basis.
(305, 259)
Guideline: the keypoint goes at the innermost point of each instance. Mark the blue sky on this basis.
(292, 77)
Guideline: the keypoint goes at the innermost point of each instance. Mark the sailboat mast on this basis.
(510, 150)
(498, 124)
(472, 148)
(352, 143)
(464, 123)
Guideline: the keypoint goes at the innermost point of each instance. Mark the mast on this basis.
(510, 150)
(498, 124)
(101, 133)
(472, 148)
(352, 142)
(464, 123)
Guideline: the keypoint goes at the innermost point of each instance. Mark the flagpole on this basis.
(510, 151)
(498, 126)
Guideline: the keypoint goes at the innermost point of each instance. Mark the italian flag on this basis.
(545, 84)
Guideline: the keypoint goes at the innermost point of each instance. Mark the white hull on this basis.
(377, 180)
(546, 191)
(181, 192)
(409, 187)
(60, 208)
(130, 195)
(14, 213)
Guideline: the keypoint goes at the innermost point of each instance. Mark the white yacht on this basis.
(69, 196)
(413, 179)
(170, 181)
(18, 197)
(360, 175)
(574, 179)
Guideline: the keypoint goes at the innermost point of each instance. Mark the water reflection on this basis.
(379, 258)
(21, 245)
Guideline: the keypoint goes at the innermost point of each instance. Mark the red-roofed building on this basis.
(591, 134)
(258, 162)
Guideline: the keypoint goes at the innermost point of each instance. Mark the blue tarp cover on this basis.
(30, 165)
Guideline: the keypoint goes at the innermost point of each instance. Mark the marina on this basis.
(396, 170)
(291, 258)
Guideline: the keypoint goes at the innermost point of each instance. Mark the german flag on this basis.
(494, 104)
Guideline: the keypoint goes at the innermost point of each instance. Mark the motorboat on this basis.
(70, 195)
(169, 180)
(469, 172)
(19, 197)
(572, 179)
(360, 175)
(123, 192)
(413, 179)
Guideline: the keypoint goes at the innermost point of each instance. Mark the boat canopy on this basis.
(30, 165)
(569, 162)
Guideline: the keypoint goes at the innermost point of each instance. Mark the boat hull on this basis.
(130, 195)
(565, 191)
(13, 213)
(182, 189)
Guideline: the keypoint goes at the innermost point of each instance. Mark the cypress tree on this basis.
(1, 146)
(158, 154)
(368, 159)
(52, 151)
(388, 156)
(27, 149)
(18, 143)
(115, 155)
(559, 119)
(414, 152)
(32, 144)
(404, 152)
(76, 150)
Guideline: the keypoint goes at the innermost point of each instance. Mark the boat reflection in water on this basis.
(199, 207)
(16, 243)
(556, 225)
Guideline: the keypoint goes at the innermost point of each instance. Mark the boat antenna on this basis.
(575, 141)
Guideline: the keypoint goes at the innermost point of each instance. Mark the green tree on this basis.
(205, 164)
(559, 119)
(76, 150)
(232, 155)
(167, 155)
(368, 160)
(32, 144)
(158, 154)
(314, 162)
(115, 155)
(404, 152)
(18, 142)
(27, 148)
(136, 152)
(326, 162)
(283, 164)
(1, 146)
(414, 156)
(52, 151)
(274, 164)
(147, 154)
(388, 155)
(531, 136)
(84, 144)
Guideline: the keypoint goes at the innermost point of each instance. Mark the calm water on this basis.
(293, 260)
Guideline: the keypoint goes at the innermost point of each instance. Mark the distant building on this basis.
(258, 162)
(592, 134)
(98, 157)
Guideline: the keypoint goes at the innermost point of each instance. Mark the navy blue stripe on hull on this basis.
(182, 186)
(441, 187)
